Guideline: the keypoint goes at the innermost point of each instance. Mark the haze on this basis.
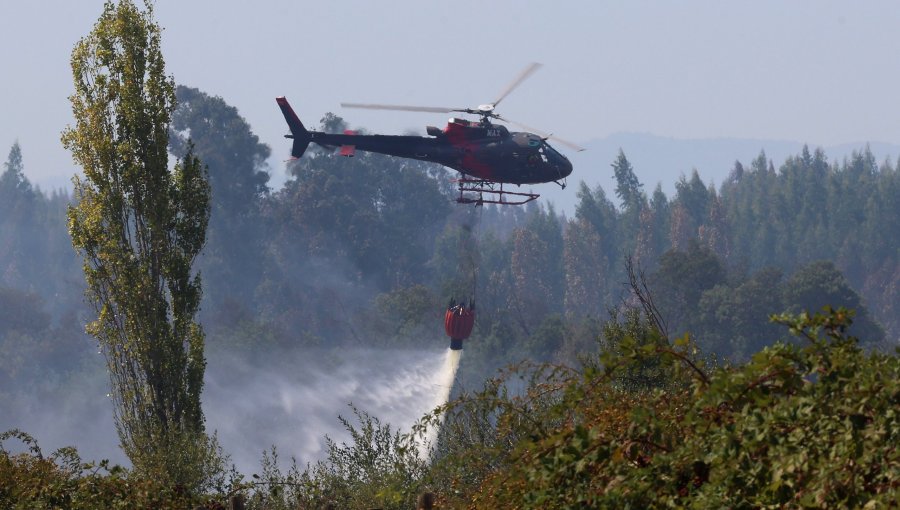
(821, 73)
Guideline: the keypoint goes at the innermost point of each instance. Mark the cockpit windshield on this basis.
(550, 150)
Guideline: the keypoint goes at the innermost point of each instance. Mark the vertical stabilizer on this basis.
(299, 133)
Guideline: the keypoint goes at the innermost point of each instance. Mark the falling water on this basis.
(443, 384)
(294, 399)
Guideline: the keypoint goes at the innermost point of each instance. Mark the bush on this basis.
(381, 468)
(30, 480)
(809, 425)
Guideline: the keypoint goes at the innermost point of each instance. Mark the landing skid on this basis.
(494, 191)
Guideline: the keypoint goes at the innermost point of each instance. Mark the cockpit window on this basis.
(534, 143)
(551, 150)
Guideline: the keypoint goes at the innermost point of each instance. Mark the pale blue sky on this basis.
(812, 71)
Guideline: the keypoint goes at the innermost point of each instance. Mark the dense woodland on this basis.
(368, 251)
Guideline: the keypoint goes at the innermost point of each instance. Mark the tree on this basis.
(139, 228)
(693, 195)
(547, 339)
(653, 230)
(361, 209)
(17, 221)
(530, 290)
(681, 229)
(13, 181)
(585, 270)
(236, 162)
(714, 232)
(594, 208)
(548, 227)
(821, 284)
(680, 281)
(732, 320)
(633, 203)
(628, 187)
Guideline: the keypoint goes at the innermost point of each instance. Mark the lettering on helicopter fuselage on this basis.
(493, 132)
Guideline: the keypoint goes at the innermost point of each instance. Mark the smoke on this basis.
(70, 411)
(291, 400)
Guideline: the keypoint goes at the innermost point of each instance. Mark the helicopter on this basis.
(488, 155)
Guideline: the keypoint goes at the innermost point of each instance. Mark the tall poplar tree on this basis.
(139, 228)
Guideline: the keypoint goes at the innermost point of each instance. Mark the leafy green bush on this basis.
(801, 425)
(30, 480)
(647, 423)
(380, 468)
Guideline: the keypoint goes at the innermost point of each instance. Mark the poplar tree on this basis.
(139, 227)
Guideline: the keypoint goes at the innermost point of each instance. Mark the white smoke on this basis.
(291, 400)
(294, 399)
(70, 411)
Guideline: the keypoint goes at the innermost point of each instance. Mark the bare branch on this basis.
(637, 281)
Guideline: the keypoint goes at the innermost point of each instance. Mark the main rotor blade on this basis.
(534, 66)
(543, 134)
(429, 109)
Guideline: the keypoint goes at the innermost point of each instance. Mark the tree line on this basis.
(365, 250)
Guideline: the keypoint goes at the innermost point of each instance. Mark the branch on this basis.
(685, 359)
(638, 284)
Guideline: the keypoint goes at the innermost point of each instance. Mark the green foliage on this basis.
(820, 284)
(61, 480)
(799, 426)
(633, 202)
(379, 468)
(731, 318)
(406, 316)
(362, 210)
(35, 250)
(483, 429)
(628, 187)
(585, 268)
(232, 259)
(594, 208)
(622, 335)
(694, 196)
(680, 281)
(456, 260)
(546, 340)
(139, 228)
(13, 183)
(645, 424)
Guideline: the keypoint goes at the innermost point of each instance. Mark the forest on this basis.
(730, 345)
(368, 249)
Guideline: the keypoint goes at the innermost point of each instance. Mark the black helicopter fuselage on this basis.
(480, 150)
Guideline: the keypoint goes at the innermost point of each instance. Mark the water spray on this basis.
(444, 383)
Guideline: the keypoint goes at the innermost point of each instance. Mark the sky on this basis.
(820, 72)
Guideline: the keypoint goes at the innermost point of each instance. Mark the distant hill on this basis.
(658, 159)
